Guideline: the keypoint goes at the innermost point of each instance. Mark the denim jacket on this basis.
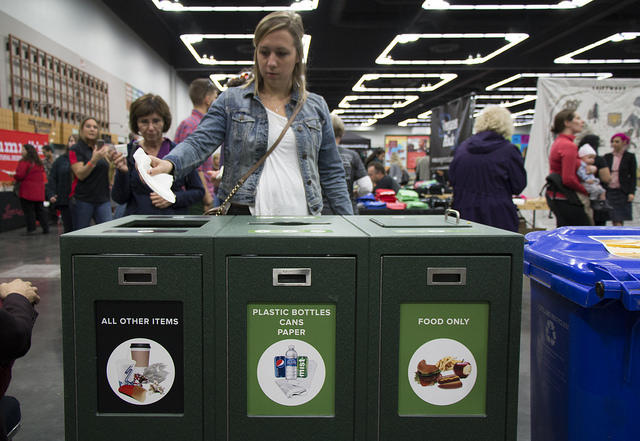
(239, 119)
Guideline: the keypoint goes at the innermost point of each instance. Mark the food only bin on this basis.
(443, 292)
(291, 303)
(132, 307)
(585, 329)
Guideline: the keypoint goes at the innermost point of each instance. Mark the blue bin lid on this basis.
(587, 265)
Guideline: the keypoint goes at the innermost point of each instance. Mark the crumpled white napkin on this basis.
(161, 184)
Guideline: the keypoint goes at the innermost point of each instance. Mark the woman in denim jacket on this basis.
(248, 119)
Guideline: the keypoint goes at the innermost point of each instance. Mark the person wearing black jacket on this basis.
(17, 316)
(59, 187)
(622, 187)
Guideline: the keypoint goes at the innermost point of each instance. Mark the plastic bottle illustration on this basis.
(291, 362)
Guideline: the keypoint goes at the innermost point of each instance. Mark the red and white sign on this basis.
(11, 150)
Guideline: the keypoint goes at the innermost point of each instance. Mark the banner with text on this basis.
(451, 124)
(11, 150)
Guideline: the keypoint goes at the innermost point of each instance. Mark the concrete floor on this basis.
(37, 378)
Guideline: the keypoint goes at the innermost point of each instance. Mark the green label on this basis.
(291, 350)
(442, 361)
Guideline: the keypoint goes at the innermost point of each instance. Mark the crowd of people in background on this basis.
(225, 154)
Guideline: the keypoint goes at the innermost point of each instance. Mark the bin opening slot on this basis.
(446, 276)
(414, 222)
(289, 223)
(292, 277)
(137, 276)
(164, 223)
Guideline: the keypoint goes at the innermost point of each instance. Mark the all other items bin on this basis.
(137, 289)
(585, 326)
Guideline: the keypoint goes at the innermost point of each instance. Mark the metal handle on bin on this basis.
(292, 277)
(446, 276)
(137, 276)
(453, 212)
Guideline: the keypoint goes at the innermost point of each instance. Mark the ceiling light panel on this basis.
(506, 100)
(416, 82)
(176, 6)
(384, 101)
(405, 40)
(415, 122)
(443, 5)
(363, 113)
(613, 39)
(522, 77)
(193, 41)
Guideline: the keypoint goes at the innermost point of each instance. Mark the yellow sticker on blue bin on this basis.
(621, 246)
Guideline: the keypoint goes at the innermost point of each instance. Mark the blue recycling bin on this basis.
(585, 333)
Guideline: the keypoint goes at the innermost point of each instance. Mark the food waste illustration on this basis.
(140, 371)
(442, 371)
(432, 374)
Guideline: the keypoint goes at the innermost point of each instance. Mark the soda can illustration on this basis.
(279, 364)
(303, 363)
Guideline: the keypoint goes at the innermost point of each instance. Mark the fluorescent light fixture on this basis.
(426, 114)
(378, 114)
(190, 39)
(398, 101)
(442, 5)
(512, 39)
(216, 78)
(443, 79)
(508, 100)
(523, 112)
(596, 75)
(176, 6)
(522, 123)
(615, 38)
(409, 121)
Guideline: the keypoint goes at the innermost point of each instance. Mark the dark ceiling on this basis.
(349, 35)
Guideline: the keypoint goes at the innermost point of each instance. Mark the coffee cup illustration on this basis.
(140, 354)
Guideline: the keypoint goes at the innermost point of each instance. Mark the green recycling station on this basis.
(333, 328)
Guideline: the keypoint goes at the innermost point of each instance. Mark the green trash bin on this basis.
(444, 327)
(133, 306)
(291, 317)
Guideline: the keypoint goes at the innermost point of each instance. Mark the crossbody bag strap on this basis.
(227, 201)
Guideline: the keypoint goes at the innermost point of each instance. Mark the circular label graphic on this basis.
(291, 372)
(442, 371)
(140, 371)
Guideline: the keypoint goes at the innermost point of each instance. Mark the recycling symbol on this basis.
(550, 333)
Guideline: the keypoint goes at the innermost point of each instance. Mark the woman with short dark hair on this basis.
(622, 187)
(150, 117)
(30, 175)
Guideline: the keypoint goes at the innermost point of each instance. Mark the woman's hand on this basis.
(101, 153)
(120, 161)
(159, 166)
(630, 197)
(158, 201)
(53, 199)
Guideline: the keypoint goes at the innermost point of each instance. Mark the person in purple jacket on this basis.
(487, 170)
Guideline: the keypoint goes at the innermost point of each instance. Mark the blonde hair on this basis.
(338, 125)
(289, 21)
(497, 119)
(395, 159)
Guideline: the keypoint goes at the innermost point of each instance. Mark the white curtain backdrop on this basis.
(607, 106)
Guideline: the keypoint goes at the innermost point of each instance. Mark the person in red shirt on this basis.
(564, 161)
(30, 174)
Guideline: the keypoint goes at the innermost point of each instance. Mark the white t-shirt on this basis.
(280, 190)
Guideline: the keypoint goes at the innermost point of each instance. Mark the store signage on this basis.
(11, 143)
